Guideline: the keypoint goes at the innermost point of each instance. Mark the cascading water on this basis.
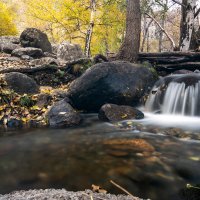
(176, 98)
(174, 102)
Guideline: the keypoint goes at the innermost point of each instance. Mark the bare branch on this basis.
(162, 29)
(197, 13)
(179, 3)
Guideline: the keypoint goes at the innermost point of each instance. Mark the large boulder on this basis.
(21, 83)
(66, 51)
(113, 113)
(116, 82)
(29, 51)
(32, 37)
(61, 115)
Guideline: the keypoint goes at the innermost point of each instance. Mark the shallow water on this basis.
(147, 165)
(172, 121)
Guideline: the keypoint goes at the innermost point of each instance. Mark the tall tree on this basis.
(187, 23)
(90, 28)
(130, 47)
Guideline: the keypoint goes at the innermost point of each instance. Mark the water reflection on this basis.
(149, 166)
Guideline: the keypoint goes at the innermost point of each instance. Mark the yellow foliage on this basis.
(68, 20)
(7, 26)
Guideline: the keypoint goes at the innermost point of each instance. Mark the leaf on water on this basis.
(194, 158)
(124, 116)
(98, 189)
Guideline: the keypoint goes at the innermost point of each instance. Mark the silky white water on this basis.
(174, 105)
(179, 99)
(171, 121)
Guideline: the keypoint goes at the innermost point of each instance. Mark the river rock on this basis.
(61, 115)
(21, 83)
(120, 83)
(68, 52)
(29, 51)
(113, 113)
(32, 37)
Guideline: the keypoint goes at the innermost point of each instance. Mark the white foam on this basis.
(177, 121)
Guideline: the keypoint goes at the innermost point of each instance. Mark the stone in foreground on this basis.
(63, 194)
(113, 113)
(32, 37)
(21, 83)
(119, 83)
(61, 115)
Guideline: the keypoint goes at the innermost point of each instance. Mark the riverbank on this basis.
(64, 195)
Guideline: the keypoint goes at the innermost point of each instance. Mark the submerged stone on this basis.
(112, 112)
(61, 115)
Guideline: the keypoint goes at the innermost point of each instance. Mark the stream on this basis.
(146, 164)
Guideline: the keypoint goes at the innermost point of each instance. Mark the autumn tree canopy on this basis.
(7, 25)
(73, 20)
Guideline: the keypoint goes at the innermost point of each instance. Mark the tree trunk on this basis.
(130, 47)
(90, 28)
(148, 42)
(160, 47)
(145, 32)
(195, 41)
(187, 23)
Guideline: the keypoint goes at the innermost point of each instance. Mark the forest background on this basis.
(68, 20)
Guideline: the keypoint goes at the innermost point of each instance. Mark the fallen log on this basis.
(169, 54)
(166, 60)
(173, 67)
(32, 69)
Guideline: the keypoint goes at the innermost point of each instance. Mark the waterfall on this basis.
(175, 98)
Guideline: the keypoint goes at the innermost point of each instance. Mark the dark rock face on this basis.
(113, 113)
(32, 37)
(61, 115)
(29, 51)
(14, 123)
(21, 83)
(119, 83)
